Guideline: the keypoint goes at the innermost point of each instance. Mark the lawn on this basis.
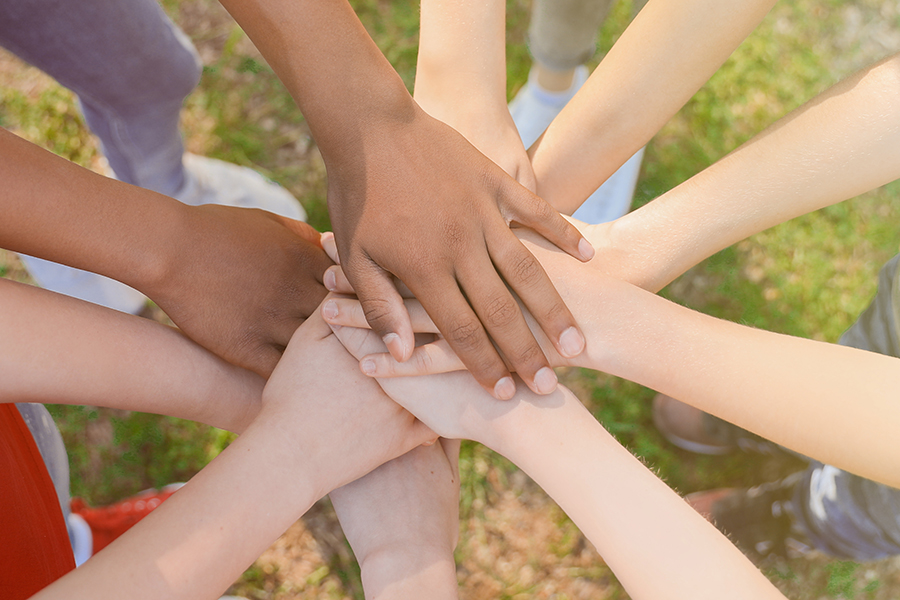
(809, 277)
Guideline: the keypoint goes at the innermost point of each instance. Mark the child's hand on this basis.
(247, 280)
(453, 405)
(427, 359)
(343, 422)
(402, 521)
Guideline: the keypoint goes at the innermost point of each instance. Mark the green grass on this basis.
(809, 277)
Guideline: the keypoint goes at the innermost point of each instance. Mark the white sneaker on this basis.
(534, 108)
(208, 181)
(211, 181)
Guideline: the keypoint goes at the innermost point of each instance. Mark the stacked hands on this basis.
(441, 246)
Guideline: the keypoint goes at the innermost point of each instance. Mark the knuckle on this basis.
(500, 312)
(377, 312)
(528, 358)
(465, 336)
(424, 361)
(455, 237)
(526, 270)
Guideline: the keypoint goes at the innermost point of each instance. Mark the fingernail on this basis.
(505, 388)
(330, 310)
(368, 367)
(395, 346)
(330, 281)
(571, 343)
(585, 248)
(545, 381)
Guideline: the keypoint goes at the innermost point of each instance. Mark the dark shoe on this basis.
(759, 520)
(696, 431)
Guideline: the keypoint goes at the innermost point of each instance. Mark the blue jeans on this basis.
(131, 68)
(842, 514)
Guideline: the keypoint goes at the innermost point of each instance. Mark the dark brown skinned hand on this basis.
(421, 203)
(249, 280)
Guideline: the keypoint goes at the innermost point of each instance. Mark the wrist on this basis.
(407, 571)
(157, 261)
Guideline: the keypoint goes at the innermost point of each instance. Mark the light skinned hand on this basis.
(318, 390)
(402, 521)
(447, 237)
(250, 280)
(451, 404)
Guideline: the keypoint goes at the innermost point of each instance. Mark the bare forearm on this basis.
(339, 78)
(405, 573)
(656, 544)
(100, 357)
(787, 389)
(462, 47)
(59, 211)
(661, 60)
(200, 540)
(841, 144)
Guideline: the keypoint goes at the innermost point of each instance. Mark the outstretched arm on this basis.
(787, 389)
(200, 540)
(410, 197)
(65, 351)
(461, 79)
(656, 544)
(670, 49)
(837, 146)
(237, 281)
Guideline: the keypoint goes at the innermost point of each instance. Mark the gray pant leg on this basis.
(563, 33)
(842, 514)
(130, 67)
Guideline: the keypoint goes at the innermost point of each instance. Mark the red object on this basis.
(34, 543)
(109, 522)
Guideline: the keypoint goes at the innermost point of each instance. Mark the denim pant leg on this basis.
(131, 69)
(842, 514)
(563, 33)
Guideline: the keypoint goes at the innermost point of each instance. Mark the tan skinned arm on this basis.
(837, 146)
(60, 350)
(219, 272)
(202, 538)
(461, 78)
(829, 402)
(392, 168)
(656, 544)
(669, 50)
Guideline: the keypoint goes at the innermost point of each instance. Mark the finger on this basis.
(304, 230)
(527, 278)
(348, 312)
(436, 357)
(330, 246)
(336, 281)
(463, 330)
(383, 309)
(532, 211)
(504, 322)
(359, 342)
